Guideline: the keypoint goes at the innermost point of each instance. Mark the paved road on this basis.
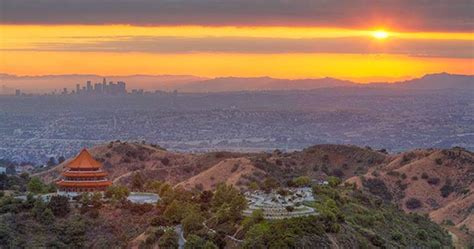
(181, 241)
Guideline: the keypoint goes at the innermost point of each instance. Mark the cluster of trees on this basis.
(37, 186)
(269, 183)
(14, 182)
(345, 212)
(206, 217)
(23, 183)
(18, 216)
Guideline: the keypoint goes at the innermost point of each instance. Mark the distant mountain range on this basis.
(435, 81)
(189, 83)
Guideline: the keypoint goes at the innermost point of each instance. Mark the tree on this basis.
(270, 183)
(154, 186)
(175, 212)
(228, 203)
(168, 240)
(258, 236)
(51, 188)
(255, 218)
(302, 181)
(224, 194)
(137, 181)
(47, 217)
(72, 233)
(59, 205)
(96, 200)
(194, 242)
(39, 209)
(334, 181)
(36, 186)
(61, 159)
(253, 186)
(117, 193)
(165, 188)
(192, 222)
(85, 202)
(210, 245)
(206, 196)
(413, 203)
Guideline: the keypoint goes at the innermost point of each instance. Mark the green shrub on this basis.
(413, 203)
(434, 181)
(446, 190)
(378, 188)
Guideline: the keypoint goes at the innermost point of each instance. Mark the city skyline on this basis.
(89, 88)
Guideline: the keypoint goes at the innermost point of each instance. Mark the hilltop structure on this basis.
(83, 174)
(277, 206)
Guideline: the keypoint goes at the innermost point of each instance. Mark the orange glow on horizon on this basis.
(344, 66)
(19, 55)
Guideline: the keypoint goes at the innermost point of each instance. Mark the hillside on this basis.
(122, 159)
(319, 162)
(437, 182)
(348, 219)
(230, 171)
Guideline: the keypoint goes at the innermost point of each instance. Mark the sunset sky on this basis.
(349, 39)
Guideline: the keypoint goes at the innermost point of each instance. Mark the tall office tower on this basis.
(64, 90)
(98, 88)
(121, 87)
(111, 87)
(78, 88)
(104, 86)
(17, 92)
(89, 86)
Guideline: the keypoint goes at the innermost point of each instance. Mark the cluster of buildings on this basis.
(35, 129)
(277, 206)
(100, 88)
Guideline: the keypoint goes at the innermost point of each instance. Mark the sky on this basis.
(363, 40)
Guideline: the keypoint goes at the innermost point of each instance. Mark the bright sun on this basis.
(380, 34)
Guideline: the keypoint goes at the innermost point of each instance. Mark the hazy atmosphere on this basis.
(237, 124)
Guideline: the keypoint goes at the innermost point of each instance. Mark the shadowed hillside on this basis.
(437, 182)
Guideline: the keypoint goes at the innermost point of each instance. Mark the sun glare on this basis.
(380, 34)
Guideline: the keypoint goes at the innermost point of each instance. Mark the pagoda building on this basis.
(83, 174)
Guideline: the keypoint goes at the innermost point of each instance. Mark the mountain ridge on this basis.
(190, 83)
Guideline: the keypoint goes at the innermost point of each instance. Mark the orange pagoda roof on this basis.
(84, 161)
(84, 174)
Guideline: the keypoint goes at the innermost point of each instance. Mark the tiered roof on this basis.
(84, 172)
(84, 161)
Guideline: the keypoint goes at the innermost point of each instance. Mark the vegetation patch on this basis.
(378, 188)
